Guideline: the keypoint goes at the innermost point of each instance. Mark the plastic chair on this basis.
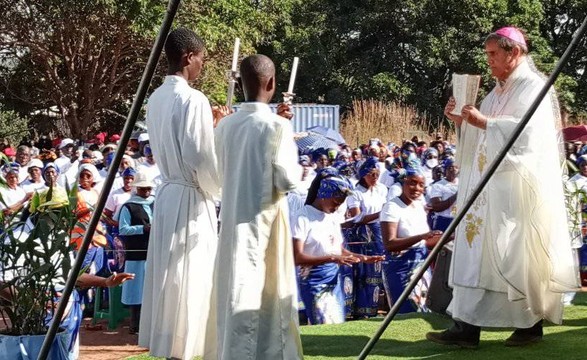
(116, 311)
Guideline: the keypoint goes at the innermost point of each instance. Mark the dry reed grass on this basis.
(388, 122)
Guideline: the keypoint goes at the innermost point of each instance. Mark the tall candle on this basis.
(292, 78)
(237, 43)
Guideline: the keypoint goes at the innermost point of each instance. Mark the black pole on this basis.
(492, 168)
(126, 133)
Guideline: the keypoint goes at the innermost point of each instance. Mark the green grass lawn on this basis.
(404, 339)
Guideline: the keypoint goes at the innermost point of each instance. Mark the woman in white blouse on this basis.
(406, 236)
(365, 238)
(318, 249)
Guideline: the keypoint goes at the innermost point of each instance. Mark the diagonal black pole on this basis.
(492, 168)
(126, 133)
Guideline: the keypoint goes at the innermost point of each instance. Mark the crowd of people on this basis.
(355, 222)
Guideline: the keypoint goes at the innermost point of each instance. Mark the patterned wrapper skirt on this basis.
(398, 270)
(367, 278)
(322, 294)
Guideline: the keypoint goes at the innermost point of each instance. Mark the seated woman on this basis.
(318, 249)
(12, 198)
(406, 235)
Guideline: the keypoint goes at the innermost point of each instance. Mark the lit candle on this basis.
(237, 43)
(292, 78)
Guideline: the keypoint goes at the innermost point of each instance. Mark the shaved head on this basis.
(258, 77)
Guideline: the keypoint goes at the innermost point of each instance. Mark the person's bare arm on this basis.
(89, 280)
(303, 259)
(439, 205)
(394, 244)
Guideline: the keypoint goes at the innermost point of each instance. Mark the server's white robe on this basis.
(183, 241)
(255, 286)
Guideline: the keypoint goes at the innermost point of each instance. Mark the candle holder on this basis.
(232, 81)
(288, 97)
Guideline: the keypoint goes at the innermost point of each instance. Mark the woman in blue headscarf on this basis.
(365, 237)
(406, 235)
(318, 249)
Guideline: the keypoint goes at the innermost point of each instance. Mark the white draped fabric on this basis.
(183, 241)
(255, 286)
(512, 259)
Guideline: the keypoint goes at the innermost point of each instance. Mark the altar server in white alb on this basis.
(182, 245)
(512, 257)
(255, 284)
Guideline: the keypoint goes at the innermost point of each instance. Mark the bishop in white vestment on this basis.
(512, 258)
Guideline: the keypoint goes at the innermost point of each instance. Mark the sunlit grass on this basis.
(404, 339)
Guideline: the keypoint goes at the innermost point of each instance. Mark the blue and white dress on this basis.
(321, 285)
(366, 240)
(399, 267)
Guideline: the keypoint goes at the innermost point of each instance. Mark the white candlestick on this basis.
(292, 78)
(237, 43)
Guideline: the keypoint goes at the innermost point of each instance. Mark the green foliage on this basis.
(36, 258)
(406, 50)
(13, 126)
(76, 64)
(220, 22)
(70, 62)
(561, 20)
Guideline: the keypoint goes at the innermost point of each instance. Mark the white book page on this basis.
(464, 89)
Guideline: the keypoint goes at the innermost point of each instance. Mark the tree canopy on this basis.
(74, 65)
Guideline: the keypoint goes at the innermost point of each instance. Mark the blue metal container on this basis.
(308, 115)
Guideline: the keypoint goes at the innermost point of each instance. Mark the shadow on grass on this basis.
(569, 345)
(405, 338)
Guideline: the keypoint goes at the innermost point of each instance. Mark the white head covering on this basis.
(92, 169)
(65, 142)
(141, 181)
(36, 163)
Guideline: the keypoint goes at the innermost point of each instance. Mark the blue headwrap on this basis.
(10, 168)
(334, 186)
(108, 158)
(412, 170)
(344, 168)
(129, 171)
(581, 160)
(409, 166)
(147, 150)
(338, 164)
(429, 151)
(327, 171)
(50, 165)
(448, 162)
(367, 167)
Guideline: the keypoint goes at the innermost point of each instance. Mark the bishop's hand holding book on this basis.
(465, 88)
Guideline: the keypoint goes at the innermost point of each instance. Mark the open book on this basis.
(464, 90)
